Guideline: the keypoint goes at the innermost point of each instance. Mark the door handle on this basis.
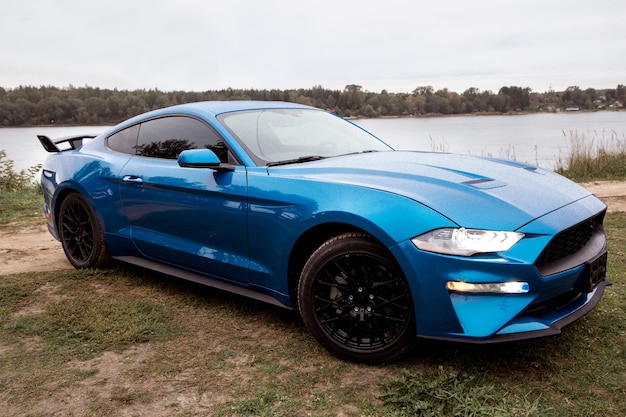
(132, 179)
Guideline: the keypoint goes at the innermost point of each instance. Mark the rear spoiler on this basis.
(74, 142)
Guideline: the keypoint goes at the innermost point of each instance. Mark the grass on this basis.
(594, 156)
(21, 209)
(21, 198)
(206, 352)
(128, 341)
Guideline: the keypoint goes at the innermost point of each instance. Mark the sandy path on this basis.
(30, 250)
(35, 250)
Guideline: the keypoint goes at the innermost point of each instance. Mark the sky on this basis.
(199, 45)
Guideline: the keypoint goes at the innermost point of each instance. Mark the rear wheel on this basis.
(355, 300)
(81, 234)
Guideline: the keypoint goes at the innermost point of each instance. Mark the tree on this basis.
(51, 110)
(27, 105)
(455, 104)
(499, 103)
(438, 104)
(423, 91)
(96, 108)
(573, 96)
(368, 111)
(620, 93)
(353, 96)
(518, 98)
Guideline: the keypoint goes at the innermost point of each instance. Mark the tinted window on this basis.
(125, 140)
(169, 136)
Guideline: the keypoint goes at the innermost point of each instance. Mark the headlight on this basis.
(466, 242)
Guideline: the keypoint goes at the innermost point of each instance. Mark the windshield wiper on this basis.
(358, 152)
(296, 160)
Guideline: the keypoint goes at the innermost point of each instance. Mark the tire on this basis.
(355, 300)
(82, 235)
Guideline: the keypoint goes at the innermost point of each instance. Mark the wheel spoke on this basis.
(373, 307)
(323, 303)
(77, 232)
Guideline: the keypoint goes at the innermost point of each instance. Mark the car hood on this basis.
(473, 192)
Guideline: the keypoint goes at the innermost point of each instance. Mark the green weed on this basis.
(448, 392)
(11, 180)
(594, 156)
(188, 350)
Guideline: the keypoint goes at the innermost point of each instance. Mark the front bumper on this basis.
(554, 300)
(529, 327)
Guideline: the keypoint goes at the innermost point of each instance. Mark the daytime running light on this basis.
(488, 288)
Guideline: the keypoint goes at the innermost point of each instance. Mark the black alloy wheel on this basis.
(355, 300)
(81, 234)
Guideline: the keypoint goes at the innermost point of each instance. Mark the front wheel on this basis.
(81, 234)
(355, 301)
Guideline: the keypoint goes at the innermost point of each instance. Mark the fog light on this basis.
(488, 288)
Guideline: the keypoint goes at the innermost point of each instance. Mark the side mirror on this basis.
(202, 158)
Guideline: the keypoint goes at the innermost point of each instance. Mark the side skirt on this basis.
(201, 279)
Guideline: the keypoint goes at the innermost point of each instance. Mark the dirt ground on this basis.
(35, 250)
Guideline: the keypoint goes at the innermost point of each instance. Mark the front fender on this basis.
(277, 219)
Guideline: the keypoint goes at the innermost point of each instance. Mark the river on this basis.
(540, 139)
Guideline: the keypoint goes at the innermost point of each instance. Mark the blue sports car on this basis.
(292, 205)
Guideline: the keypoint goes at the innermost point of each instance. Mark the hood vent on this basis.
(484, 183)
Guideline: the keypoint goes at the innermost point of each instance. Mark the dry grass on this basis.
(125, 341)
(594, 156)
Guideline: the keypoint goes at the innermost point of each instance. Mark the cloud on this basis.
(198, 45)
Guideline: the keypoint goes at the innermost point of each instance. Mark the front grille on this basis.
(568, 242)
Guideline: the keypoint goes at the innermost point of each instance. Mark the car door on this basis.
(194, 218)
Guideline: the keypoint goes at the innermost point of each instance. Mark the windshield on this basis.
(273, 136)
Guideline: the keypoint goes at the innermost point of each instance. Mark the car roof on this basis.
(218, 107)
(209, 109)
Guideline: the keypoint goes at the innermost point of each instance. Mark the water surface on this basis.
(540, 139)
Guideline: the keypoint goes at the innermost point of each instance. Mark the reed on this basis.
(594, 155)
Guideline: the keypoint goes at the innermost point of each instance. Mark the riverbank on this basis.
(361, 117)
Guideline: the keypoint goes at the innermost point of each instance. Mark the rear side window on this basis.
(125, 140)
(167, 137)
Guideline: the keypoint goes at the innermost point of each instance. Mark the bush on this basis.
(12, 181)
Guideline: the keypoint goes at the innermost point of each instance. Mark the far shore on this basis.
(405, 116)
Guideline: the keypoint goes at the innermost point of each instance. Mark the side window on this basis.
(167, 137)
(125, 140)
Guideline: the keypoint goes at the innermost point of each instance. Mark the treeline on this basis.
(27, 105)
